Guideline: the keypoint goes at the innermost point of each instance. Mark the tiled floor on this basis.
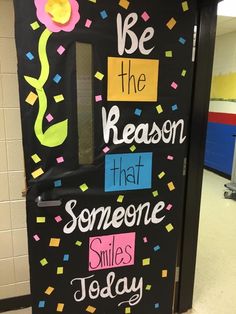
(215, 286)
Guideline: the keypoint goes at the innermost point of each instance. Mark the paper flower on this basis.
(58, 15)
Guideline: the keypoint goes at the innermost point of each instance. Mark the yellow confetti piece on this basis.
(133, 148)
(155, 193)
(171, 23)
(99, 76)
(127, 310)
(83, 187)
(161, 175)
(184, 72)
(124, 4)
(171, 186)
(169, 54)
(34, 25)
(31, 98)
(44, 262)
(36, 158)
(37, 173)
(40, 220)
(94, 1)
(91, 309)
(60, 270)
(49, 290)
(169, 228)
(164, 273)
(159, 109)
(146, 261)
(58, 98)
(120, 198)
(185, 6)
(60, 307)
(54, 242)
(148, 287)
(78, 243)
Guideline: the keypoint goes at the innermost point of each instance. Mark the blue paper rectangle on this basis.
(124, 172)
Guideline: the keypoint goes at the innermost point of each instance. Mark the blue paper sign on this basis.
(125, 172)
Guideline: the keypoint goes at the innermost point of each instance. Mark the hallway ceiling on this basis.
(225, 25)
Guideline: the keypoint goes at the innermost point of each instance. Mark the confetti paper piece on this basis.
(169, 207)
(83, 187)
(58, 219)
(54, 242)
(49, 117)
(60, 270)
(159, 109)
(185, 6)
(138, 112)
(35, 25)
(78, 243)
(60, 160)
(36, 238)
(61, 50)
(94, 1)
(104, 14)
(170, 157)
(99, 76)
(182, 40)
(169, 228)
(155, 193)
(98, 98)
(174, 107)
(183, 73)
(57, 183)
(57, 78)
(44, 262)
(124, 4)
(145, 16)
(36, 158)
(40, 220)
(157, 306)
(88, 23)
(106, 150)
(169, 54)
(41, 304)
(31, 98)
(60, 307)
(161, 175)
(156, 248)
(145, 240)
(127, 310)
(171, 186)
(146, 261)
(164, 273)
(171, 23)
(148, 287)
(30, 56)
(58, 98)
(174, 85)
(49, 290)
(66, 257)
(133, 148)
(120, 198)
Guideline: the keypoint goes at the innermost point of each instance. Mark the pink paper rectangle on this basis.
(88, 23)
(174, 85)
(169, 207)
(36, 237)
(145, 16)
(60, 160)
(170, 157)
(98, 98)
(58, 218)
(112, 251)
(49, 117)
(106, 149)
(60, 50)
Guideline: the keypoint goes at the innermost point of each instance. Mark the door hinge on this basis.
(185, 166)
(177, 272)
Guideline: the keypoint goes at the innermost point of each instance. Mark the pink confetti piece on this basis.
(61, 50)
(174, 85)
(60, 160)
(49, 117)
(145, 240)
(98, 98)
(88, 23)
(145, 16)
(106, 150)
(36, 237)
(170, 157)
(169, 207)
(58, 219)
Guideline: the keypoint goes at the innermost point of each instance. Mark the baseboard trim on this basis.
(222, 174)
(15, 303)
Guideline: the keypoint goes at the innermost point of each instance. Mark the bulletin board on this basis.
(106, 239)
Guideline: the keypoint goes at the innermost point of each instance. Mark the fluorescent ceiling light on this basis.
(227, 8)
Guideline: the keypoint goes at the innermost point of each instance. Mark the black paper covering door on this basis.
(103, 237)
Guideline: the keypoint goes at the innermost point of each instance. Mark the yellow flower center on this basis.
(60, 10)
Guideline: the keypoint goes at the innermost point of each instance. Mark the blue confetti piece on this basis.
(157, 306)
(57, 78)
(138, 112)
(30, 56)
(104, 14)
(182, 40)
(66, 258)
(174, 107)
(57, 183)
(41, 304)
(157, 248)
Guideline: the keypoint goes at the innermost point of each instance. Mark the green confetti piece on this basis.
(83, 187)
(44, 262)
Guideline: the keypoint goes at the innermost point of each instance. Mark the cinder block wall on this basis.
(14, 269)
